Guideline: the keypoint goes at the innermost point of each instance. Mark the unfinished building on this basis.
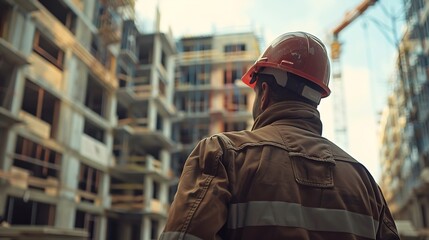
(209, 94)
(140, 180)
(58, 89)
(89, 132)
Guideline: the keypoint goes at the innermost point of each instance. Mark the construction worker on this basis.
(282, 179)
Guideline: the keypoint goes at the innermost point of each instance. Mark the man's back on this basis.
(281, 180)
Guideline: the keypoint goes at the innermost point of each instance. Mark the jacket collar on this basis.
(291, 113)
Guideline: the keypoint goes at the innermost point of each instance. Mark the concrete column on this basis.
(18, 91)
(111, 116)
(89, 9)
(77, 79)
(102, 227)
(66, 210)
(104, 190)
(3, 200)
(70, 75)
(166, 161)
(105, 196)
(16, 22)
(83, 33)
(148, 192)
(6, 163)
(9, 149)
(152, 115)
(145, 230)
(166, 124)
(22, 39)
(71, 125)
(65, 213)
(170, 74)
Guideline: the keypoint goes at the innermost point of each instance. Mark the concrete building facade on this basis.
(405, 128)
(209, 95)
(141, 175)
(97, 117)
(58, 112)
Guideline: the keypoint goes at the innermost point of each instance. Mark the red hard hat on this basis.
(299, 53)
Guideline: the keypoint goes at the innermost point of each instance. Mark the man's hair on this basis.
(279, 93)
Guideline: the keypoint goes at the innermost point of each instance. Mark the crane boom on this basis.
(340, 117)
(352, 15)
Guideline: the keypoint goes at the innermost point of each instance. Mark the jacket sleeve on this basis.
(387, 229)
(199, 209)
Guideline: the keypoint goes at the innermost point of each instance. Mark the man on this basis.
(281, 180)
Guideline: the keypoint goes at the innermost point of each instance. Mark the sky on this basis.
(367, 58)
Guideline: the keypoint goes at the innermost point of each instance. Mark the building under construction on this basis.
(209, 94)
(405, 125)
(84, 145)
(97, 118)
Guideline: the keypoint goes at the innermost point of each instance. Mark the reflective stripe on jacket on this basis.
(281, 180)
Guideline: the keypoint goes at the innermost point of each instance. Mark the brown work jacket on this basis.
(281, 180)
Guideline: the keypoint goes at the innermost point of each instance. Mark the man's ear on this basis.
(265, 96)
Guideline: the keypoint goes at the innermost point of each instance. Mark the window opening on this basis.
(48, 50)
(95, 96)
(87, 221)
(93, 131)
(39, 160)
(60, 11)
(89, 180)
(21, 212)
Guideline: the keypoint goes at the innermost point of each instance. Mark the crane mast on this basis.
(340, 117)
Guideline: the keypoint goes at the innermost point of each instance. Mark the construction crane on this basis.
(340, 117)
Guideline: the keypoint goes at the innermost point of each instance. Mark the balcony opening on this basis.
(196, 75)
(126, 195)
(89, 222)
(89, 181)
(159, 123)
(121, 112)
(154, 229)
(94, 131)
(235, 102)
(5, 12)
(27, 212)
(61, 12)
(164, 60)
(129, 33)
(113, 231)
(203, 74)
(155, 186)
(109, 23)
(40, 161)
(162, 88)
(145, 55)
(424, 216)
(192, 131)
(231, 75)
(135, 231)
(48, 50)
(139, 115)
(100, 52)
(186, 133)
(122, 77)
(95, 96)
(117, 150)
(231, 48)
(6, 85)
(41, 104)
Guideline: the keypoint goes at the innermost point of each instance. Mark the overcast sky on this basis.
(367, 59)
